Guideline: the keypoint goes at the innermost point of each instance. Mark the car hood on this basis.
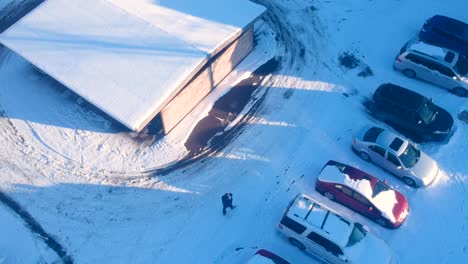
(443, 121)
(425, 169)
(370, 250)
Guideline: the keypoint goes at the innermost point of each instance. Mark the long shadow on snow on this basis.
(36, 228)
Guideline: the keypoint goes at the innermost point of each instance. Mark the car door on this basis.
(393, 165)
(362, 205)
(419, 65)
(344, 195)
(377, 154)
(324, 248)
(445, 77)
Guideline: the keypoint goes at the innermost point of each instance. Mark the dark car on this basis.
(362, 193)
(412, 114)
(264, 256)
(446, 32)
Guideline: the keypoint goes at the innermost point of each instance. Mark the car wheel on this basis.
(409, 181)
(409, 73)
(383, 222)
(462, 92)
(364, 156)
(296, 243)
(329, 195)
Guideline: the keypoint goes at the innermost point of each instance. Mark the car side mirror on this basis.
(399, 167)
(371, 209)
(455, 78)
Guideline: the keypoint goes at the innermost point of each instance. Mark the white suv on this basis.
(330, 237)
(440, 66)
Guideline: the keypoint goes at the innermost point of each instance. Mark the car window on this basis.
(444, 70)
(325, 243)
(427, 112)
(418, 59)
(462, 66)
(293, 225)
(361, 199)
(393, 159)
(379, 187)
(344, 189)
(378, 150)
(372, 134)
(410, 156)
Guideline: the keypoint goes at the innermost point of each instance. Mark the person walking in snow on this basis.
(227, 202)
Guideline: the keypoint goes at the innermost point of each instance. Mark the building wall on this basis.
(227, 59)
(216, 69)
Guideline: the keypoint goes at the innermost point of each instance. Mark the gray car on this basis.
(397, 155)
(440, 66)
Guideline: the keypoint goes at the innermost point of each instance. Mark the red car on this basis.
(362, 193)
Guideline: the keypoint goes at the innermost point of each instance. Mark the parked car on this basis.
(397, 155)
(412, 114)
(446, 32)
(264, 256)
(311, 226)
(440, 66)
(362, 193)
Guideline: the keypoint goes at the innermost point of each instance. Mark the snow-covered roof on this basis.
(429, 49)
(384, 200)
(204, 24)
(321, 218)
(128, 63)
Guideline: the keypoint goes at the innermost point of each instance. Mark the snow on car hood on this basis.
(384, 201)
(370, 250)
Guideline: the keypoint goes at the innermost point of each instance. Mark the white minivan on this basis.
(330, 237)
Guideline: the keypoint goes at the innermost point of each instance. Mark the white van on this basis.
(330, 237)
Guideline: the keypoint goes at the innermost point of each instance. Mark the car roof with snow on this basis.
(378, 193)
(441, 54)
(324, 221)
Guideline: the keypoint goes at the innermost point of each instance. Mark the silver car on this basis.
(437, 65)
(397, 155)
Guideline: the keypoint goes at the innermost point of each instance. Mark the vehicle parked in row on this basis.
(263, 256)
(362, 193)
(446, 32)
(397, 155)
(311, 226)
(440, 66)
(412, 114)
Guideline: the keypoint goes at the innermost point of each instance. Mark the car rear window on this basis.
(449, 57)
(293, 225)
(372, 134)
(396, 144)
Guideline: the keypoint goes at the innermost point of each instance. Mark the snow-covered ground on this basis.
(83, 179)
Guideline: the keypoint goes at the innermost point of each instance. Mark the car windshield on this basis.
(462, 66)
(410, 156)
(428, 112)
(379, 187)
(357, 235)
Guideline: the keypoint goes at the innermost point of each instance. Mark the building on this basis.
(136, 59)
